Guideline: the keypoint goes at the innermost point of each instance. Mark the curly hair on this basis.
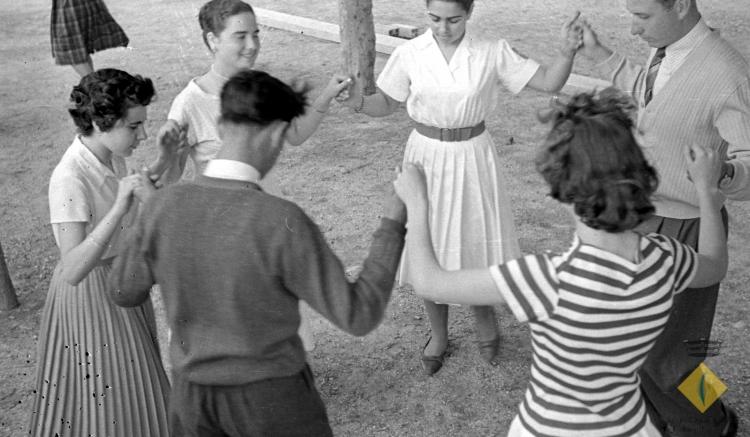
(256, 97)
(104, 96)
(465, 4)
(213, 15)
(591, 160)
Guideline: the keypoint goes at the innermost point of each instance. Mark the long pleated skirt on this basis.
(470, 215)
(99, 369)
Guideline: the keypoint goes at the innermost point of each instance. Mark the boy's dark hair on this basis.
(465, 4)
(104, 96)
(213, 15)
(590, 159)
(256, 97)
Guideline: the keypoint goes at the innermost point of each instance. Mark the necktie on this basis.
(653, 70)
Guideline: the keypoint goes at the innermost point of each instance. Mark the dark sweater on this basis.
(232, 263)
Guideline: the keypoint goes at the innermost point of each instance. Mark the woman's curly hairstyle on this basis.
(591, 160)
(104, 96)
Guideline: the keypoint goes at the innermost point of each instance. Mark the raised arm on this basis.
(552, 78)
(430, 281)
(313, 272)
(624, 74)
(302, 127)
(171, 141)
(704, 167)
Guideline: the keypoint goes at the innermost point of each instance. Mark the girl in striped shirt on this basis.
(596, 310)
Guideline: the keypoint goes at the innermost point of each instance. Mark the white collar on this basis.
(231, 169)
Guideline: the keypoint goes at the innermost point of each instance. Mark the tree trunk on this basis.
(358, 41)
(8, 299)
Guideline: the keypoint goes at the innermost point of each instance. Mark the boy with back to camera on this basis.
(233, 262)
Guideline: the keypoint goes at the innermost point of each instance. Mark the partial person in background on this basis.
(596, 310)
(694, 89)
(450, 81)
(233, 262)
(99, 369)
(231, 33)
(79, 28)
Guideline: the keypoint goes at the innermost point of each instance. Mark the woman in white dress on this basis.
(450, 81)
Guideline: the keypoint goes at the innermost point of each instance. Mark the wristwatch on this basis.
(727, 175)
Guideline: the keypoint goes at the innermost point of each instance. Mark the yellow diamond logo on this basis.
(702, 388)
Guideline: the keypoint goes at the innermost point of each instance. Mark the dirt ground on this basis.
(372, 386)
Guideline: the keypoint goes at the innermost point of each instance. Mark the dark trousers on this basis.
(284, 407)
(672, 359)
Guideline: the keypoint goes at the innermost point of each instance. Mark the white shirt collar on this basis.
(230, 169)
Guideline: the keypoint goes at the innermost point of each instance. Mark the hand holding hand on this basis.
(411, 186)
(125, 189)
(571, 35)
(704, 166)
(338, 84)
(592, 48)
(394, 206)
(352, 96)
(144, 188)
(171, 140)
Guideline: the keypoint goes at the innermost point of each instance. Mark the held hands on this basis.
(704, 169)
(125, 189)
(145, 186)
(571, 35)
(338, 84)
(352, 95)
(171, 140)
(591, 47)
(411, 186)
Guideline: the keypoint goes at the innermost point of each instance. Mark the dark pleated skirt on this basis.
(99, 370)
(81, 27)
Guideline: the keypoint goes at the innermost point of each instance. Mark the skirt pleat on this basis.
(99, 368)
(470, 216)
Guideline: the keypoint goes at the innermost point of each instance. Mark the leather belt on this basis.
(450, 134)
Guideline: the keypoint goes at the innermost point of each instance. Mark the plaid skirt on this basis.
(81, 27)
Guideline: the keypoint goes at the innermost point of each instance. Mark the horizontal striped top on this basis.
(593, 316)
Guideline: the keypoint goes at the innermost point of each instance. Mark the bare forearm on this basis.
(557, 74)
(304, 126)
(712, 244)
(80, 260)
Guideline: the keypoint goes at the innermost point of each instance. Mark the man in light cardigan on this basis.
(695, 88)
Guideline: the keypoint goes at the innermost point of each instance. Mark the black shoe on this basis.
(732, 422)
(431, 364)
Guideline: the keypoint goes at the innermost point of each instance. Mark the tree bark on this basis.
(358, 42)
(8, 299)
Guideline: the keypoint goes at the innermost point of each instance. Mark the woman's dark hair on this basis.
(465, 4)
(590, 159)
(104, 96)
(256, 97)
(213, 15)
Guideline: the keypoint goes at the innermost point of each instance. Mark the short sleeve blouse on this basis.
(459, 93)
(199, 111)
(82, 189)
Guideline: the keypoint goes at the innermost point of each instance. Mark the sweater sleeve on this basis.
(733, 124)
(313, 273)
(130, 279)
(623, 73)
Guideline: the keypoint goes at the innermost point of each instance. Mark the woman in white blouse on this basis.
(99, 368)
(450, 81)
